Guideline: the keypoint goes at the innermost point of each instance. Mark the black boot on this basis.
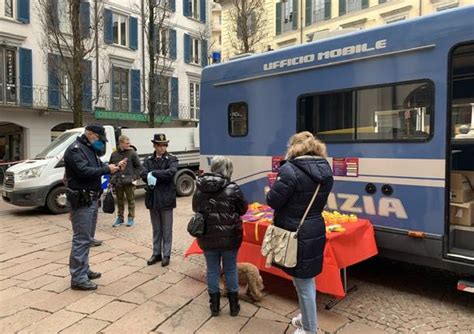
(214, 303)
(233, 303)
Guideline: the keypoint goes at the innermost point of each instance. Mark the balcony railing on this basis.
(105, 102)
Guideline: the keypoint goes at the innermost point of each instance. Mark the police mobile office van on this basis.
(395, 105)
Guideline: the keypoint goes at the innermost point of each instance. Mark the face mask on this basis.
(98, 146)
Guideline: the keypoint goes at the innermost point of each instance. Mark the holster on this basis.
(78, 198)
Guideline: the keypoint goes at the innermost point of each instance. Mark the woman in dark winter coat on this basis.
(304, 169)
(222, 203)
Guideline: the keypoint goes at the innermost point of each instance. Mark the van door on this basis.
(461, 155)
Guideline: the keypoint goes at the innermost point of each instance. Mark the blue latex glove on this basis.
(151, 180)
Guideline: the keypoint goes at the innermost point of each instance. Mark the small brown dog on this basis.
(249, 275)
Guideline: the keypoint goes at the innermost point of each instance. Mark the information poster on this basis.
(276, 163)
(345, 167)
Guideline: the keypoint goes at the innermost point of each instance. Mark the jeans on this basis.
(213, 262)
(83, 226)
(306, 289)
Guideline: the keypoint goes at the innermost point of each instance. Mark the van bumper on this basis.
(26, 197)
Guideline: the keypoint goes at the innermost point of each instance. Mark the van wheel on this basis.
(56, 201)
(185, 185)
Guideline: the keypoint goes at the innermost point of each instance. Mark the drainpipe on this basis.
(143, 55)
(96, 40)
(420, 4)
(301, 21)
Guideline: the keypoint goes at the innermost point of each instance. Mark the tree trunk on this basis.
(77, 69)
(151, 57)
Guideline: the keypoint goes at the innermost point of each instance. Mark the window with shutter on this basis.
(195, 48)
(85, 19)
(353, 5)
(8, 77)
(65, 83)
(163, 45)
(163, 95)
(172, 43)
(135, 91)
(23, 8)
(287, 16)
(133, 33)
(108, 26)
(26, 77)
(64, 16)
(318, 10)
(194, 89)
(120, 89)
(187, 48)
(194, 9)
(120, 29)
(87, 85)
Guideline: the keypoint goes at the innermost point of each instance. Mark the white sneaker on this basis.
(297, 322)
(300, 331)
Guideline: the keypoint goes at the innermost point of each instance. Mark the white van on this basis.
(39, 181)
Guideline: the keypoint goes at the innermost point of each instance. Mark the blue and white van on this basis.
(395, 105)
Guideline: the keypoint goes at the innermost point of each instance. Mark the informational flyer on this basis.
(345, 167)
(276, 163)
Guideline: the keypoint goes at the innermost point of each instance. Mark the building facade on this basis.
(216, 32)
(34, 94)
(292, 22)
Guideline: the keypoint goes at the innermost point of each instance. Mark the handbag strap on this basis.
(307, 209)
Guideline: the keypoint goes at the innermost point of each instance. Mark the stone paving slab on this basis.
(21, 320)
(145, 291)
(85, 326)
(54, 322)
(256, 325)
(136, 298)
(189, 319)
(149, 315)
(61, 300)
(90, 303)
(113, 311)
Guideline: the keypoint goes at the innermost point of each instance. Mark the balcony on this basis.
(105, 106)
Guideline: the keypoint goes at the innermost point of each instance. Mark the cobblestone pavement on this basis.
(132, 297)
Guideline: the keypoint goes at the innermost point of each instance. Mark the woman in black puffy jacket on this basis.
(222, 203)
(305, 168)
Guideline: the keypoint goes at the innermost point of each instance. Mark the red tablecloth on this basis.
(342, 249)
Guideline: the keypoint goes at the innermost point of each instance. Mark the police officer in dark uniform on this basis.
(83, 177)
(158, 172)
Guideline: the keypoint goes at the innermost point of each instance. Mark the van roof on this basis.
(404, 35)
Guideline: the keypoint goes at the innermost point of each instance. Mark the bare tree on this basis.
(205, 35)
(248, 23)
(160, 37)
(70, 33)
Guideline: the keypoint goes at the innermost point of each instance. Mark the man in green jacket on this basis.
(124, 181)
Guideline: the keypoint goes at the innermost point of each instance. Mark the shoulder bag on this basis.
(280, 246)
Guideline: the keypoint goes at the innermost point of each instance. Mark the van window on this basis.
(238, 119)
(397, 112)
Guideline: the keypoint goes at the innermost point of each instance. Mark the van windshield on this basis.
(58, 146)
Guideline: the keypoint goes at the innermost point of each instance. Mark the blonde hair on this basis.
(304, 143)
(123, 138)
(222, 165)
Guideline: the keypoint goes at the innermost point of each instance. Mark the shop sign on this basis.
(129, 116)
